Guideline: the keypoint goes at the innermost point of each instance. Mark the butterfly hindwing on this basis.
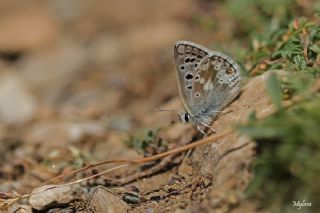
(216, 82)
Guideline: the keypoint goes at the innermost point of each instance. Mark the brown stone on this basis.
(103, 200)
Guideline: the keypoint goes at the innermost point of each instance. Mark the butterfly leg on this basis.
(226, 111)
(207, 125)
(204, 134)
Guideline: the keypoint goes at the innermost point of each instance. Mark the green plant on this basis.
(288, 142)
(146, 142)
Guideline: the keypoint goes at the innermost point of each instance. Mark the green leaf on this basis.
(274, 90)
(300, 62)
(252, 117)
(315, 48)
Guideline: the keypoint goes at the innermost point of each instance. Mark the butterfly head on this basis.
(184, 117)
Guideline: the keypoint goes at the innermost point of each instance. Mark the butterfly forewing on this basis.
(187, 57)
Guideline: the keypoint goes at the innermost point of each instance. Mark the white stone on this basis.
(17, 104)
(50, 194)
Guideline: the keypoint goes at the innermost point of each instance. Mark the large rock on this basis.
(17, 104)
(51, 195)
(103, 200)
(225, 164)
(27, 30)
(49, 72)
(16, 208)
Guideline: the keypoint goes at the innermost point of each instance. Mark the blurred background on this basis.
(75, 68)
(75, 73)
(79, 60)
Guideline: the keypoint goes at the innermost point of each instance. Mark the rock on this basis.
(136, 13)
(49, 72)
(52, 133)
(59, 133)
(148, 38)
(103, 200)
(26, 29)
(225, 164)
(47, 195)
(67, 11)
(77, 130)
(121, 123)
(20, 209)
(107, 49)
(17, 105)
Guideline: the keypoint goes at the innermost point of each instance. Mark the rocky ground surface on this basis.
(78, 78)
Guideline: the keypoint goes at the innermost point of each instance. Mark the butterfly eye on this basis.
(186, 117)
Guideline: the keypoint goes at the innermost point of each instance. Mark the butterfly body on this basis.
(208, 81)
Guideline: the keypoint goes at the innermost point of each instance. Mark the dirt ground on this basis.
(79, 78)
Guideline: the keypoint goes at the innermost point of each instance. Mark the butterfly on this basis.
(208, 81)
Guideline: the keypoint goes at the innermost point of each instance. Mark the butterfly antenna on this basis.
(168, 110)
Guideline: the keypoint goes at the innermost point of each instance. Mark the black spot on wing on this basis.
(189, 77)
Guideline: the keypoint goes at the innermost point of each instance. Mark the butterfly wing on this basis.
(216, 83)
(187, 56)
(208, 80)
